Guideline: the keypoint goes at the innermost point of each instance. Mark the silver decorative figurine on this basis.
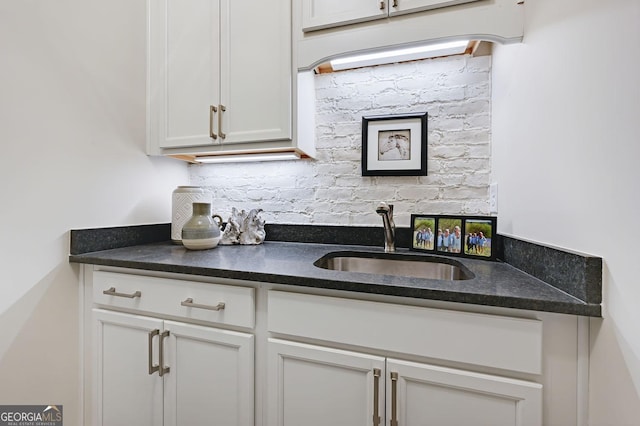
(244, 228)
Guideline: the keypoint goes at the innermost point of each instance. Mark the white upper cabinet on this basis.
(219, 75)
(184, 71)
(398, 7)
(256, 71)
(325, 29)
(319, 14)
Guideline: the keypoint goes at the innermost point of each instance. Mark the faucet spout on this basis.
(386, 212)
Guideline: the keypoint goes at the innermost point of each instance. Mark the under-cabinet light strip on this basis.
(240, 158)
(398, 55)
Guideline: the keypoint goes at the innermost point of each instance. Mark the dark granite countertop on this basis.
(292, 263)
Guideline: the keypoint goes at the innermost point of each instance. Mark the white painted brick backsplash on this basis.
(455, 92)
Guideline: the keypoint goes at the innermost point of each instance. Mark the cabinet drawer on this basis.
(481, 339)
(176, 298)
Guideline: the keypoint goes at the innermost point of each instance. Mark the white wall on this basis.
(72, 130)
(565, 124)
(456, 93)
(566, 110)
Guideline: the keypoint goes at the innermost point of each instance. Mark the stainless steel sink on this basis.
(396, 265)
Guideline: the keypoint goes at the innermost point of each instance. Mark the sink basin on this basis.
(396, 265)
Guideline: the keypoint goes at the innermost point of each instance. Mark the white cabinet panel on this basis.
(318, 14)
(315, 386)
(321, 14)
(211, 376)
(164, 296)
(427, 394)
(183, 71)
(480, 339)
(191, 69)
(122, 363)
(399, 7)
(256, 71)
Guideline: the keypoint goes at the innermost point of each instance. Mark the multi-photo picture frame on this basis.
(468, 236)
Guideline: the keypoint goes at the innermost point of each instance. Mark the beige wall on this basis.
(566, 108)
(72, 133)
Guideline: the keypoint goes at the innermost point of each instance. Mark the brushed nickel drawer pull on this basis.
(189, 304)
(220, 132)
(112, 292)
(394, 399)
(162, 370)
(382, 4)
(152, 368)
(212, 113)
(376, 393)
(395, 3)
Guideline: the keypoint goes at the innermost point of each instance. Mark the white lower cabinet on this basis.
(212, 380)
(204, 375)
(423, 394)
(151, 368)
(126, 393)
(356, 375)
(168, 351)
(313, 385)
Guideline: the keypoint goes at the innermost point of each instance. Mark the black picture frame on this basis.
(452, 235)
(423, 232)
(485, 228)
(449, 235)
(394, 145)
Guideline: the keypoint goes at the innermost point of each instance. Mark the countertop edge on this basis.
(578, 308)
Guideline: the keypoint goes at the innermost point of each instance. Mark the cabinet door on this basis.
(399, 7)
(256, 71)
(126, 393)
(315, 386)
(211, 376)
(319, 14)
(421, 394)
(183, 71)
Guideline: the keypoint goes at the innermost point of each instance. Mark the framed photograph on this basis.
(449, 235)
(422, 230)
(466, 236)
(394, 145)
(479, 236)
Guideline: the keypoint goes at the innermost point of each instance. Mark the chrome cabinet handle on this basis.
(376, 395)
(189, 304)
(395, 3)
(162, 370)
(152, 368)
(382, 4)
(112, 292)
(394, 399)
(220, 132)
(212, 113)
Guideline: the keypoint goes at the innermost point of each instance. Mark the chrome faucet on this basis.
(386, 211)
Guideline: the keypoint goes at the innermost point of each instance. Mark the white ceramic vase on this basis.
(182, 201)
